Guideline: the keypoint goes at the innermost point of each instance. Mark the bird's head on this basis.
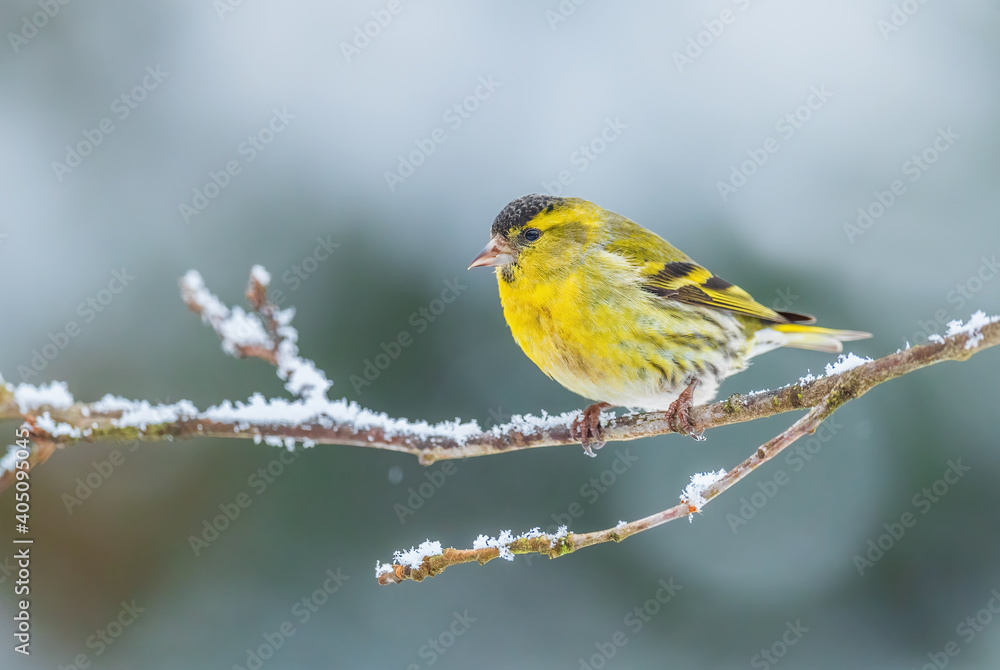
(540, 234)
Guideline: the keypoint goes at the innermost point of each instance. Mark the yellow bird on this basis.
(614, 313)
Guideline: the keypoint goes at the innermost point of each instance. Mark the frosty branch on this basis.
(54, 419)
(822, 395)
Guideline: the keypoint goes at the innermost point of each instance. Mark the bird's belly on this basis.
(626, 355)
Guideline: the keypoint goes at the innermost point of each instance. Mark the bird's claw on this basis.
(587, 428)
(679, 414)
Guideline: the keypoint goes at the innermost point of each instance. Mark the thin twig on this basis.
(556, 546)
(842, 388)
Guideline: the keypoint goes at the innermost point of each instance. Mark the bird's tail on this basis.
(813, 337)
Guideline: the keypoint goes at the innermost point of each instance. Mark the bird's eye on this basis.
(532, 234)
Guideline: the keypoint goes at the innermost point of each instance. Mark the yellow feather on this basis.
(614, 313)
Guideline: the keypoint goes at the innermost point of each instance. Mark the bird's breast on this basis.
(607, 340)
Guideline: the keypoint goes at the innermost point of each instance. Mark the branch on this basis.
(431, 561)
(962, 342)
(54, 419)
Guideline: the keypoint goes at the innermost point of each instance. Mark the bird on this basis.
(614, 313)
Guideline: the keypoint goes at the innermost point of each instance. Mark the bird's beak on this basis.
(497, 252)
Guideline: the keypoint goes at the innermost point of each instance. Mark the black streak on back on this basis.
(716, 283)
(677, 270)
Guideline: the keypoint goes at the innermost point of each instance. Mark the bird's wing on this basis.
(666, 272)
(693, 284)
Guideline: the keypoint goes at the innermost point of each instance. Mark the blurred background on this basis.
(836, 158)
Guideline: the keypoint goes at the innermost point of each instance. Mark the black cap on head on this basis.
(519, 212)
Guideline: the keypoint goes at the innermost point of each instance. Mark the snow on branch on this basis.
(266, 334)
(849, 378)
(54, 419)
(703, 488)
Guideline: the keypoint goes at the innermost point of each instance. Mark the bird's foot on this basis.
(587, 428)
(679, 413)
